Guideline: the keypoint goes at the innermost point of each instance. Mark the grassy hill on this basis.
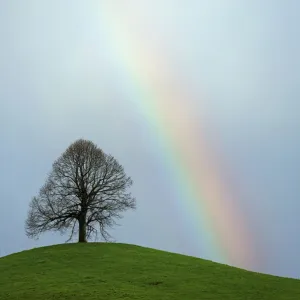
(120, 271)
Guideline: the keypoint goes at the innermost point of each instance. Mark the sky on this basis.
(63, 76)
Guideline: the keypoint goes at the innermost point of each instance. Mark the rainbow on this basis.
(205, 198)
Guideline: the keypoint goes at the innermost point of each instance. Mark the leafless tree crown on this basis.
(85, 192)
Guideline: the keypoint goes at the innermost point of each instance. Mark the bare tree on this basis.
(84, 192)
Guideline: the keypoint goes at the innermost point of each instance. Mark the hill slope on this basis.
(120, 271)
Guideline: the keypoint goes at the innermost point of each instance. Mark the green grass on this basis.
(120, 271)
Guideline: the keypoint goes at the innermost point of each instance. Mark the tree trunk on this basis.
(82, 229)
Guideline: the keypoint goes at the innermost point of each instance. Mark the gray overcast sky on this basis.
(60, 80)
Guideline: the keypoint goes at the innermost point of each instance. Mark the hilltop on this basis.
(121, 271)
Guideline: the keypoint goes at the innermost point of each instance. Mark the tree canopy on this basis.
(85, 193)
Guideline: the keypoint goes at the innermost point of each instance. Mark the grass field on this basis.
(121, 271)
